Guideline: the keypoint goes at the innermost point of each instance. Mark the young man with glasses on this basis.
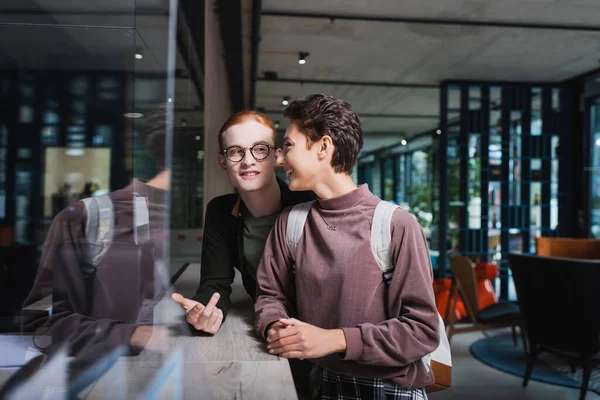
(237, 225)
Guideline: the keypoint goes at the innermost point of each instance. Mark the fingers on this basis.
(194, 316)
(212, 303)
(293, 354)
(284, 342)
(186, 304)
(281, 333)
(217, 321)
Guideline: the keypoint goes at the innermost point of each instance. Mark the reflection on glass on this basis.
(474, 182)
(388, 180)
(401, 184)
(595, 169)
(536, 111)
(376, 180)
(474, 97)
(454, 98)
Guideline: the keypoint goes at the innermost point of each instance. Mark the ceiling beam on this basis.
(434, 21)
(256, 13)
(303, 81)
(374, 115)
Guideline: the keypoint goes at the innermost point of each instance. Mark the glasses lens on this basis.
(260, 151)
(235, 154)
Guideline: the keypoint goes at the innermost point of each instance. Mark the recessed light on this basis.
(285, 101)
(276, 124)
(439, 131)
(197, 137)
(403, 142)
(139, 53)
(133, 115)
(170, 100)
(302, 57)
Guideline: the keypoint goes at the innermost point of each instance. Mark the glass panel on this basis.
(556, 99)
(454, 203)
(474, 182)
(388, 180)
(514, 176)
(595, 169)
(401, 189)
(474, 97)
(536, 111)
(68, 108)
(453, 98)
(494, 219)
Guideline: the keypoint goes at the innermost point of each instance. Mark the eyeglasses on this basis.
(236, 154)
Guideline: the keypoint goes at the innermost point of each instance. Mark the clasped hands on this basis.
(291, 338)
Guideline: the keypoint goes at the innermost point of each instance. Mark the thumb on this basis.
(186, 304)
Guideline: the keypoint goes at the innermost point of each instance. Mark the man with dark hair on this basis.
(369, 333)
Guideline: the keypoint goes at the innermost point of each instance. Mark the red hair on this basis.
(247, 115)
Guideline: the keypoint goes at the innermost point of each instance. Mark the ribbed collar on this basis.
(347, 200)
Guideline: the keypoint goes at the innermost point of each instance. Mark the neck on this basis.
(334, 185)
(264, 202)
(161, 181)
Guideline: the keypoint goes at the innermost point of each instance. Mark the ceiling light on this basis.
(197, 137)
(170, 99)
(598, 142)
(75, 152)
(302, 57)
(133, 115)
(285, 101)
(183, 122)
(138, 53)
(403, 142)
(276, 124)
(439, 131)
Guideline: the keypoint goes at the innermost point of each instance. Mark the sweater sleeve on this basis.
(218, 259)
(412, 330)
(275, 280)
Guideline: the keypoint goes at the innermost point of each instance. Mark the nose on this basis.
(248, 158)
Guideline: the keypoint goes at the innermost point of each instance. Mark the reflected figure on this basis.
(61, 199)
(102, 264)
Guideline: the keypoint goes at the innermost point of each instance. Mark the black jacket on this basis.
(222, 246)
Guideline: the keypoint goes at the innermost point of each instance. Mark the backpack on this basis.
(440, 361)
(99, 228)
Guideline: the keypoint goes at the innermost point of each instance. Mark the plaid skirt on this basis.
(341, 387)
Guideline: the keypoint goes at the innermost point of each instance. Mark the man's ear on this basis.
(278, 158)
(325, 147)
(222, 161)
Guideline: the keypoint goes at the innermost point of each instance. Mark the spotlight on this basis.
(302, 57)
(197, 137)
(439, 131)
(183, 122)
(276, 124)
(133, 115)
(403, 142)
(285, 101)
(138, 53)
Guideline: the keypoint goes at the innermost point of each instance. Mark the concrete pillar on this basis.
(217, 106)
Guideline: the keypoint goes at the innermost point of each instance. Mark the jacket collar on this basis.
(286, 194)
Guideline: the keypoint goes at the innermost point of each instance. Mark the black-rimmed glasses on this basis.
(236, 154)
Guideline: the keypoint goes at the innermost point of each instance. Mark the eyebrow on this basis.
(253, 144)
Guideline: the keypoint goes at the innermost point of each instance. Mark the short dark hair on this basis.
(154, 135)
(319, 115)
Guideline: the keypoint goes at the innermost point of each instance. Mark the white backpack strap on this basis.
(141, 224)
(99, 229)
(295, 225)
(381, 237)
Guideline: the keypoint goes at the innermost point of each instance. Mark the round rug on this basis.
(499, 352)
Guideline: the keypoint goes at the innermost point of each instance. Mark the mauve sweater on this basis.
(338, 284)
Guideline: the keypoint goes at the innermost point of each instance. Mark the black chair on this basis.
(559, 299)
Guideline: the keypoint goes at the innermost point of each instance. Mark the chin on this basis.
(296, 186)
(251, 186)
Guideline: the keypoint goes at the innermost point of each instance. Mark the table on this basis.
(232, 364)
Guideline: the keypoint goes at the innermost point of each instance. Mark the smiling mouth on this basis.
(249, 174)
